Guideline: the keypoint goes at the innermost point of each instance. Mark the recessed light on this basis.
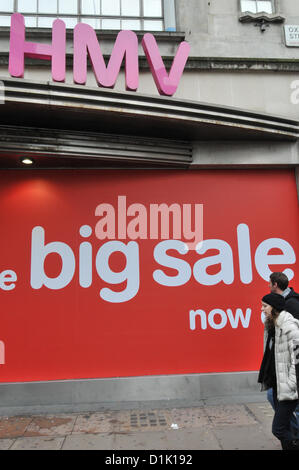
(27, 161)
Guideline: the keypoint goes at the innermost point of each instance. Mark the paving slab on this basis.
(51, 425)
(229, 415)
(202, 439)
(14, 426)
(263, 412)
(146, 440)
(189, 417)
(192, 439)
(5, 444)
(89, 442)
(94, 423)
(38, 443)
(245, 438)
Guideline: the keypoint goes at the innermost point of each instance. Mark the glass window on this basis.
(4, 20)
(150, 25)
(45, 21)
(68, 7)
(152, 7)
(70, 22)
(265, 6)
(111, 24)
(111, 7)
(257, 6)
(46, 6)
(130, 7)
(91, 7)
(30, 21)
(132, 25)
(107, 14)
(248, 5)
(95, 23)
(7, 6)
(27, 6)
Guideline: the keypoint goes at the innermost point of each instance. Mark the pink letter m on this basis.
(126, 44)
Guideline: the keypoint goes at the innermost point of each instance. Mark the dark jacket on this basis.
(292, 303)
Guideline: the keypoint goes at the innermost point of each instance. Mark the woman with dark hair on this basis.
(279, 369)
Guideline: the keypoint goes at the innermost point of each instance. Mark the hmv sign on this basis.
(86, 45)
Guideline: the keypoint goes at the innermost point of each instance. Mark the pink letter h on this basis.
(19, 49)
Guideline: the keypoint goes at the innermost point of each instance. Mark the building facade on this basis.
(149, 166)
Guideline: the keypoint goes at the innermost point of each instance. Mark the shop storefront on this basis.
(136, 247)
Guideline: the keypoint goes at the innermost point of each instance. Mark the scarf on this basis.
(267, 374)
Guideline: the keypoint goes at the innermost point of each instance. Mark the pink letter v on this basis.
(166, 84)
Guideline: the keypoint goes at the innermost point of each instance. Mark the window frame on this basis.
(168, 17)
(273, 4)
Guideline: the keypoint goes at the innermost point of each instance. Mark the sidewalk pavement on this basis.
(209, 426)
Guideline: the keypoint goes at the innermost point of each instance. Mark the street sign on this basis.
(292, 35)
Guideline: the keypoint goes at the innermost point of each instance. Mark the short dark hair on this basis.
(280, 279)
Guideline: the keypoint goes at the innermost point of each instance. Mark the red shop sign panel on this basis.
(135, 273)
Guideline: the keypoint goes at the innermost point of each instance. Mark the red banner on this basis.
(128, 273)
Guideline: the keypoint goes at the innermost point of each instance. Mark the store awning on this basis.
(94, 124)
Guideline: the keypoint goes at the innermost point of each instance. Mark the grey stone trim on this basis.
(87, 146)
(270, 18)
(96, 394)
(245, 155)
(297, 180)
(35, 34)
(236, 64)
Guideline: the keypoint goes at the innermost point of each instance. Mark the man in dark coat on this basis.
(279, 284)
